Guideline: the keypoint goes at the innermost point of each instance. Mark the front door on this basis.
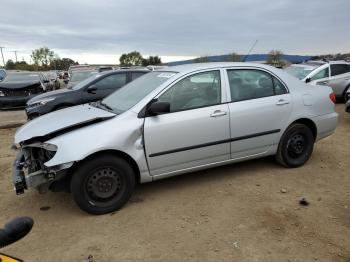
(195, 132)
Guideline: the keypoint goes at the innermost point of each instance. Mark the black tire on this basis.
(102, 184)
(296, 146)
(344, 93)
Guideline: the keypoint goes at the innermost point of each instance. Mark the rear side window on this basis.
(339, 69)
(251, 84)
(322, 74)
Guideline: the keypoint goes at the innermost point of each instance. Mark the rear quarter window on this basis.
(338, 69)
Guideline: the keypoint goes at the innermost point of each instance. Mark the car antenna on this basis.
(250, 50)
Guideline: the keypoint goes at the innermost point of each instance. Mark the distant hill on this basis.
(250, 58)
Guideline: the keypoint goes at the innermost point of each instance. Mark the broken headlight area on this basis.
(29, 169)
(37, 154)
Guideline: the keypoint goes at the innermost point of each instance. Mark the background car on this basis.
(335, 74)
(19, 86)
(79, 75)
(171, 122)
(53, 77)
(104, 68)
(89, 90)
(2, 74)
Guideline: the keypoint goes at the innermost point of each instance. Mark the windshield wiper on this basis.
(101, 105)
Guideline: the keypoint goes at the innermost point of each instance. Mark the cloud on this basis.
(175, 28)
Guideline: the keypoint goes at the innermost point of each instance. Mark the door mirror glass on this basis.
(158, 108)
(308, 80)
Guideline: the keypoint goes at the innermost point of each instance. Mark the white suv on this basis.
(335, 74)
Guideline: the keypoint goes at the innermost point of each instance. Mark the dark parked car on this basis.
(18, 87)
(91, 89)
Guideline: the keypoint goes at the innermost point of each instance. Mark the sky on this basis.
(99, 31)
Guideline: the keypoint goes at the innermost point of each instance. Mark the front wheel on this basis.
(103, 184)
(296, 146)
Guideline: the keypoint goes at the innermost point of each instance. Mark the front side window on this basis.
(338, 69)
(131, 94)
(322, 74)
(195, 91)
(111, 81)
(251, 84)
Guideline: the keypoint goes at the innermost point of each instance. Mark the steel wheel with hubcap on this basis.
(296, 146)
(103, 184)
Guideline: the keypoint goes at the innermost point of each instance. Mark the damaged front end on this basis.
(29, 168)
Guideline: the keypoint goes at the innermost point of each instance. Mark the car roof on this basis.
(123, 70)
(203, 66)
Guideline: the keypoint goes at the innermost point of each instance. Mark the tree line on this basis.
(43, 59)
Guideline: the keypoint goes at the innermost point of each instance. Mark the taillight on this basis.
(332, 97)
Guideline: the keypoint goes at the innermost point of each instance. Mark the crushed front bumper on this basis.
(18, 177)
(40, 180)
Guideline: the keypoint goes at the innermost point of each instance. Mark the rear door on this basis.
(196, 132)
(259, 110)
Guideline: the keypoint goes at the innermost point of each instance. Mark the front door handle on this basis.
(282, 102)
(218, 113)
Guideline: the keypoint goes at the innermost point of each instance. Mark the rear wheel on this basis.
(345, 94)
(103, 184)
(296, 146)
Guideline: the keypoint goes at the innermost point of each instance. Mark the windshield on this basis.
(22, 77)
(78, 76)
(132, 93)
(85, 82)
(300, 71)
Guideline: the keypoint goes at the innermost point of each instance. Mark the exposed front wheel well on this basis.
(309, 123)
(120, 154)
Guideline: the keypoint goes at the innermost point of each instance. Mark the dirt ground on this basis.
(231, 213)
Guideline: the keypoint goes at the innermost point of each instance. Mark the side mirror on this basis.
(158, 108)
(92, 89)
(308, 80)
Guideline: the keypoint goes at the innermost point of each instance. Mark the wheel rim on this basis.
(103, 185)
(296, 145)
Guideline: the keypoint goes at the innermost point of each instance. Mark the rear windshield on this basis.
(300, 71)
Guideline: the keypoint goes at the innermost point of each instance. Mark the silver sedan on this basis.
(169, 122)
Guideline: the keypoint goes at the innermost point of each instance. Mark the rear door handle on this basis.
(282, 102)
(218, 113)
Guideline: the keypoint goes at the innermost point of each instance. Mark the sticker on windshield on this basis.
(166, 75)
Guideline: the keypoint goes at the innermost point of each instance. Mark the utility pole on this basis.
(3, 60)
(15, 54)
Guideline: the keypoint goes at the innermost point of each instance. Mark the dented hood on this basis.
(18, 84)
(61, 120)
